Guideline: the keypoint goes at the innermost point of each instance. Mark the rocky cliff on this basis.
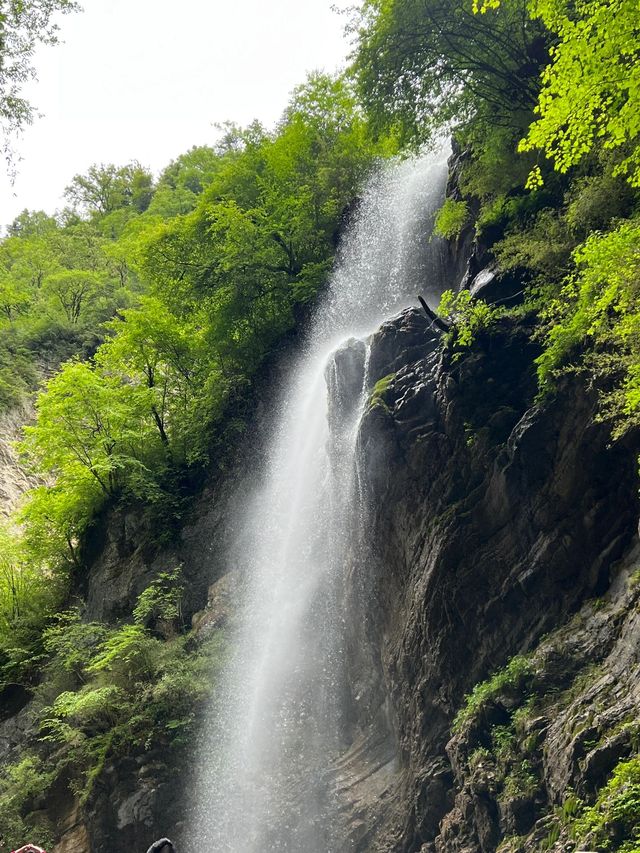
(495, 556)
(492, 521)
(15, 479)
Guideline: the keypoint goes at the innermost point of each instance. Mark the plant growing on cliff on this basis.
(379, 390)
(591, 87)
(515, 677)
(29, 593)
(421, 65)
(599, 309)
(613, 821)
(107, 692)
(22, 784)
(467, 316)
(161, 601)
(451, 219)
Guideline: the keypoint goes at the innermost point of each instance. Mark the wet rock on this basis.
(488, 521)
(493, 519)
(219, 607)
(345, 376)
(496, 287)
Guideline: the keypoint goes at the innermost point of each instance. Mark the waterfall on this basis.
(276, 726)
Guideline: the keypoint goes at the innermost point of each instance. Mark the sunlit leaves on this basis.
(591, 87)
(88, 421)
(600, 307)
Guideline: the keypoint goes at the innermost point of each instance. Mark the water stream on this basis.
(276, 724)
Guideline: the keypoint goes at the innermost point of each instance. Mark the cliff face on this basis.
(14, 478)
(491, 525)
(490, 521)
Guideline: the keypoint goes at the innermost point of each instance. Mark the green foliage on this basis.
(451, 218)
(479, 757)
(17, 373)
(128, 654)
(469, 317)
(550, 839)
(221, 286)
(107, 692)
(496, 169)
(521, 782)
(161, 600)
(423, 65)
(107, 188)
(542, 246)
(72, 291)
(149, 308)
(22, 785)
(166, 360)
(591, 86)
(613, 822)
(90, 427)
(23, 26)
(28, 595)
(57, 285)
(570, 807)
(599, 306)
(595, 201)
(73, 643)
(514, 678)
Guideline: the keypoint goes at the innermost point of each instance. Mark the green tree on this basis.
(29, 591)
(32, 223)
(74, 291)
(152, 348)
(55, 518)
(106, 188)
(600, 307)
(591, 87)
(192, 171)
(423, 64)
(23, 25)
(89, 422)
(15, 298)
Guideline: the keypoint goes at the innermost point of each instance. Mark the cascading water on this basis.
(266, 782)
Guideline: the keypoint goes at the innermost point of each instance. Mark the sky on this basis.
(147, 79)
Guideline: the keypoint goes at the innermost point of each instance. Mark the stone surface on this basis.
(15, 478)
(490, 520)
(496, 287)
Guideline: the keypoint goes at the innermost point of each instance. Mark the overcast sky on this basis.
(147, 79)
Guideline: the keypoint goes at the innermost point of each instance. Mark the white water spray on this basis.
(266, 783)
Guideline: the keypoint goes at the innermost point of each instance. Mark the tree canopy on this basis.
(23, 25)
(423, 65)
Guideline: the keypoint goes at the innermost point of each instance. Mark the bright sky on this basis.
(147, 79)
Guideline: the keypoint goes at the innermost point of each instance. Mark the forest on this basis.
(136, 322)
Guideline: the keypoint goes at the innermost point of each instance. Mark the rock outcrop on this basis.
(490, 519)
(15, 479)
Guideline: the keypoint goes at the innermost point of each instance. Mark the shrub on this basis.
(21, 785)
(451, 219)
(161, 600)
(468, 317)
(379, 391)
(599, 308)
(515, 676)
(613, 822)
